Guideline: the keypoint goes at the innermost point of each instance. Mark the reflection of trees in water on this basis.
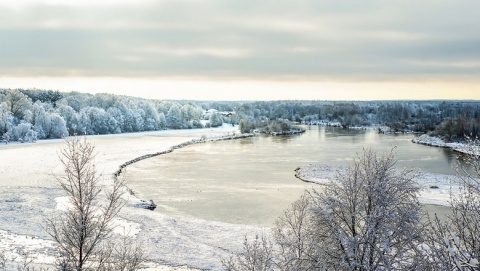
(284, 138)
(246, 141)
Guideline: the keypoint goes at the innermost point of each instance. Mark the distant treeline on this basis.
(451, 120)
(27, 115)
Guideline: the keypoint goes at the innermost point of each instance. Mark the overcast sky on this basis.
(244, 49)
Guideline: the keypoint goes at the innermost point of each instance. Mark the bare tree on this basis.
(82, 232)
(293, 236)
(122, 255)
(455, 243)
(369, 218)
(257, 255)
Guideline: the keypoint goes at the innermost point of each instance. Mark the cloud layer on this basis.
(339, 40)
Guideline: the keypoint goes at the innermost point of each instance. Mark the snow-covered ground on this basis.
(438, 142)
(435, 188)
(29, 193)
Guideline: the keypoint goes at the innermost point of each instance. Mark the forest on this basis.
(27, 115)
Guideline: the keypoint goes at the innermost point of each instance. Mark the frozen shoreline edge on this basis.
(435, 189)
(434, 141)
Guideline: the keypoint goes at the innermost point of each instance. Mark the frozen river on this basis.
(250, 181)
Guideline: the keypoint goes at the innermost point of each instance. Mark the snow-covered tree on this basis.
(139, 123)
(55, 126)
(82, 233)
(256, 255)
(98, 120)
(246, 126)
(6, 119)
(17, 103)
(69, 115)
(174, 117)
(294, 236)
(369, 217)
(151, 118)
(216, 120)
(127, 120)
(455, 241)
(162, 122)
(20, 131)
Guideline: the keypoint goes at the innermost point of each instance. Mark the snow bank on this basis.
(318, 173)
(438, 142)
(435, 188)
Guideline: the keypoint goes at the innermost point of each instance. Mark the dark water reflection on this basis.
(250, 181)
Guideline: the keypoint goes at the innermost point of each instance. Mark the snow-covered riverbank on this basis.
(435, 188)
(29, 193)
(438, 142)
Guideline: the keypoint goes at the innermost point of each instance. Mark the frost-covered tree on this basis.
(174, 117)
(256, 255)
(83, 231)
(69, 115)
(151, 118)
(17, 103)
(6, 119)
(369, 217)
(215, 119)
(162, 122)
(20, 132)
(139, 123)
(126, 117)
(54, 126)
(98, 120)
(455, 241)
(294, 236)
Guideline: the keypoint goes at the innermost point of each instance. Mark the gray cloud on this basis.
(252, 39)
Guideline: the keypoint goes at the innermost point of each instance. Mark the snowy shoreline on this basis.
(438, 142)
(435, 188)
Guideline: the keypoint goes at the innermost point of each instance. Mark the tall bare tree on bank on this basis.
(82, 233)
(455, 243)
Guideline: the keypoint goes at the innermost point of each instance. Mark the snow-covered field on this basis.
(28, 194)
(435, 188)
